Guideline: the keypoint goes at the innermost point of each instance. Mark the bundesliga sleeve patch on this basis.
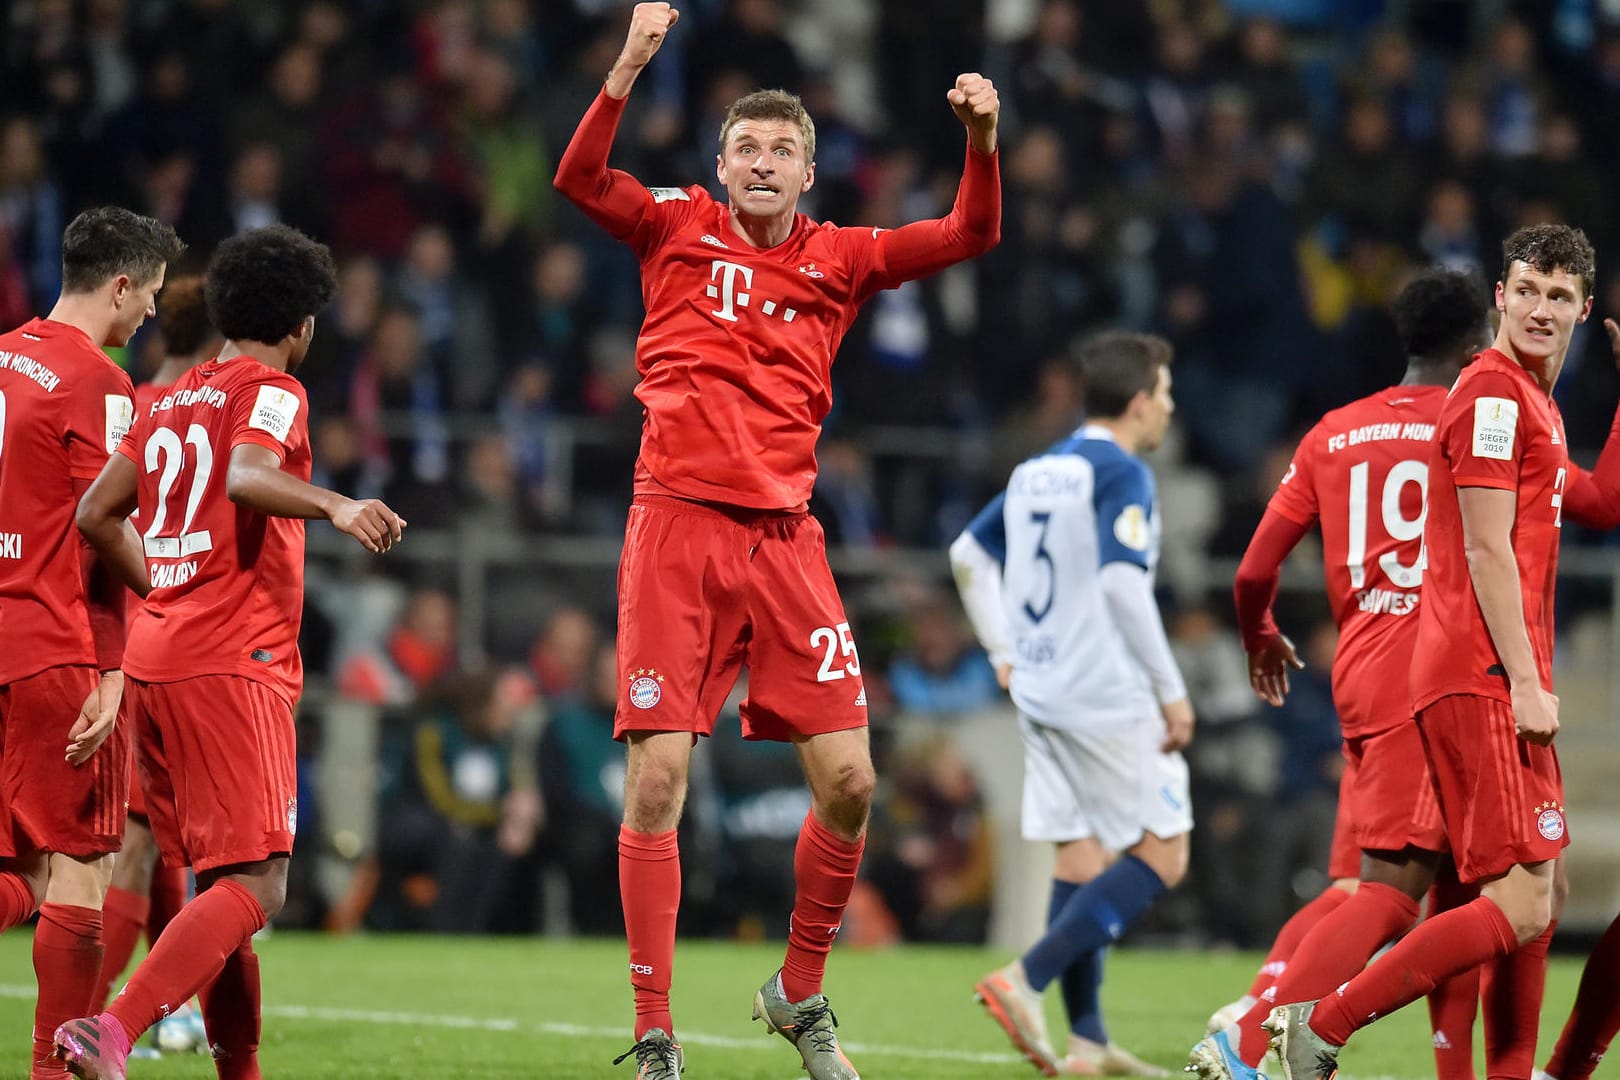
(120, 415)
(1131, 528)
(274, 411)
(1495, 422)
(667, 194)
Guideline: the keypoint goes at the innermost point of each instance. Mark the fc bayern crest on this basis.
(1550, 822)
(645, 688)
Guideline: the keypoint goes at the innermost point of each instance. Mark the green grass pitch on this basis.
(423, 1007)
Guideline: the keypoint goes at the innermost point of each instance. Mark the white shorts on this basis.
(1112, 785)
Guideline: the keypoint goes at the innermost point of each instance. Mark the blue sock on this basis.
(1096, 915)
(1082, 980)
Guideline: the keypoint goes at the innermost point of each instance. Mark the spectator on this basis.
(941, 671)
(417, 654)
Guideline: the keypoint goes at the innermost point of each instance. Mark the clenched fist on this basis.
(978, 107)
(649, 23)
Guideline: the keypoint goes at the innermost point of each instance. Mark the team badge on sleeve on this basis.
(668, 194)
(274, 411)
(1495, 422)
(120, 415)
(645, 688)
(1131, 528)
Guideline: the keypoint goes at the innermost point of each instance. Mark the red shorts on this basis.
(216, 755)
(703, 591)
(50, 805)
(1502, 798)
(1391, 804)
(1344, 860)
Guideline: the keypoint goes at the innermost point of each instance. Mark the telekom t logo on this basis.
(727, 273)
(731, 297)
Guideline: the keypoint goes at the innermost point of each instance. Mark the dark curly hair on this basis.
(263, 283)
(1115, 366)
(1439, 312)
(102, 243)
(183, 315)
(1545, 248)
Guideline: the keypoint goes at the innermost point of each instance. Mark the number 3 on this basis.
(839, 641)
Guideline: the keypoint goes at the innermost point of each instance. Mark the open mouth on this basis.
(760, 189)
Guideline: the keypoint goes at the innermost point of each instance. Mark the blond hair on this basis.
(771, 105)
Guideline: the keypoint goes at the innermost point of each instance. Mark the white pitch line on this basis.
(385, 1018)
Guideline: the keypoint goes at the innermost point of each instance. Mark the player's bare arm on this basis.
(1487, 521)
(103, 519)
(649, 25)
(96, 718)
(977, 105)
(255, 480)
(1592, 499)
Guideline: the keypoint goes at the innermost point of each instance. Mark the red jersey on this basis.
(64, 406)
(1498, 429)
(1362, 471)
(227, 582)
(737, 346)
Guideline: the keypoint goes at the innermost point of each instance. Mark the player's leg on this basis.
(67, 949)
(1513, 988)
(1077, 864)
(23, 868)
(1344, 868)
(1595, 1017)
(1501, 799)
(128, 905)
(1454, 1003)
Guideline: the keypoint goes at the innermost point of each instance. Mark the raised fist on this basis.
(978, 107)
(649, 23)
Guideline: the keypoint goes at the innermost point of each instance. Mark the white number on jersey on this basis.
(2, 422)
(1557, 499)
(165, 443)
(1400, 528)
(837, 641)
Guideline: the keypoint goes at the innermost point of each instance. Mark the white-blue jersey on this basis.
(1066, 514)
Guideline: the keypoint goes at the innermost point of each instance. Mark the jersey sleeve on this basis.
(1124, 505)
(989, 528)
(99, 414)
(1481, 433)
(273, 413)
(1296, 496)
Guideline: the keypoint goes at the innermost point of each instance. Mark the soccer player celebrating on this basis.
(1057, 578)
(143, 894)
(219, 469)
(747, 301)
(63, 408)
(1481, 668)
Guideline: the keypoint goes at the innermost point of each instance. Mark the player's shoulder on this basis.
(1491, 375)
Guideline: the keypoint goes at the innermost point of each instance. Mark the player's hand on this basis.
(1178, 724)
(1268, 669)
(96, 718)
(1535, 713)
(1003, 674)
(978, 107)
(370, 522)
(649, 23)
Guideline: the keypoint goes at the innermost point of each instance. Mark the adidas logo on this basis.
(860, 699)
(715, 240)
(1441, 1042)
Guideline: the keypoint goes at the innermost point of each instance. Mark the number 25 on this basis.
(836, 642)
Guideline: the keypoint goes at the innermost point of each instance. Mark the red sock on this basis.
(1292, 933)
(168, 894)
(1595, 1017)
(16, 901)
(1454, 1003)
(188, 956)
(1333, 952)
(123, 917)
(1513, 988)
(650, 890)
(824, 868)
(1455, 941)
(230, 1008)
(67, 963)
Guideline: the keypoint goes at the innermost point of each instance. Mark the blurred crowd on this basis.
(1252, 178)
